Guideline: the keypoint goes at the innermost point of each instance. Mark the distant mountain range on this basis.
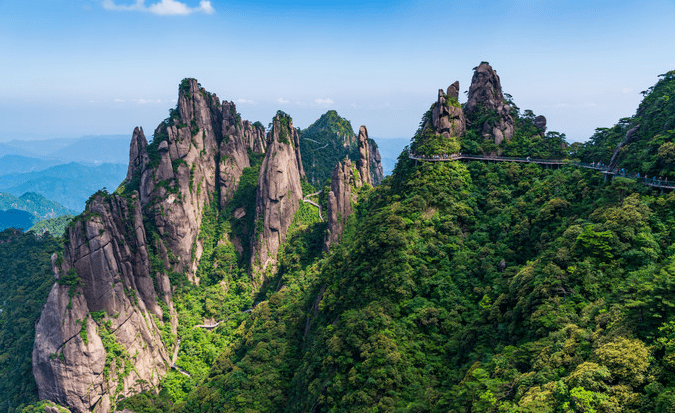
(69, 184)
(64, 170)
(28, 209)
(87, 149)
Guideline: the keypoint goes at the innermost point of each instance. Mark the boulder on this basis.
(540, 123)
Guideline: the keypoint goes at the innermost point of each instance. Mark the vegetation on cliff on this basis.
(647, 138)
(324, 143)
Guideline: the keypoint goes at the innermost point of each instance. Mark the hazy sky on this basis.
(83, 67)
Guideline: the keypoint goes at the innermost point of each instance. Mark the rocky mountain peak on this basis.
(112, 290)
(447, 116)
(486, 105)
(138, 154)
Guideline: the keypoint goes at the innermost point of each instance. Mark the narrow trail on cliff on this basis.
(309, 201)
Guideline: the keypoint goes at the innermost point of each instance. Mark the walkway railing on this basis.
(653, 181)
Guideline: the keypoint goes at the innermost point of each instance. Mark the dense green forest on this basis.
(325, 143)
(25, 280)
(647, 138)
(55, 226)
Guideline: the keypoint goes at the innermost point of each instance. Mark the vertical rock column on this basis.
(486, 97)
(278, 195)
(363, 163)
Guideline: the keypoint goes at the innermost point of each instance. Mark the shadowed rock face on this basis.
(540, 123)
(363, 164)
(138, 154)
(198, 152)
(376, 171)
(341, 197)
(238, 137)
(486, 99)
(107, 249)
(278, 195)
(447, 116)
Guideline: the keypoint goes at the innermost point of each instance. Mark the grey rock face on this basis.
(453, 90)
(376, 171)
(107, 249)
(254, 136)
(363, 164)
(278, 195)
(447, 116)
(138, 154)
(340, 199)
(233, 151)
(485, 94)
(176, 191)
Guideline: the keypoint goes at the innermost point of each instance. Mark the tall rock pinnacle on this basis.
(340, 200)
(341, 197)
(486, 99)
(363, 163)
(278, 195)
(447, 116)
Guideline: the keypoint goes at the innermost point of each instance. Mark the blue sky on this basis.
(88, 67)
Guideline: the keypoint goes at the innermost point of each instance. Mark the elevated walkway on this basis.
(604, 169)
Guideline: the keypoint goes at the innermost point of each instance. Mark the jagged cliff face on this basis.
(486, 100)
(340, 199)
(278, 195)
(447, 116)
(102, 316)
(346, 178)
(111, 300)
(238, 138)
(376, 171)
(363, 164)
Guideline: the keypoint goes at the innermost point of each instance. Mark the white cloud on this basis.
(327, 101)
(119, 100)
(246, 101)
(163, 7)
(282, 100)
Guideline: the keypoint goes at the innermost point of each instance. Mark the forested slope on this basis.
(25, 280)
(644, 142)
